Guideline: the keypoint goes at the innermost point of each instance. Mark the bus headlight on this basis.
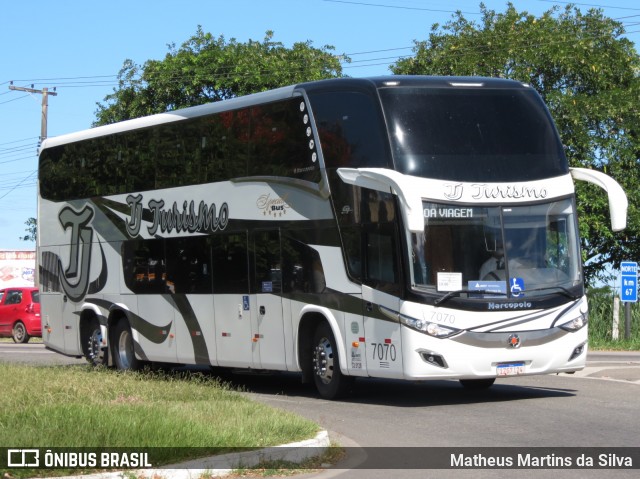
(432, 329)
(576, 323)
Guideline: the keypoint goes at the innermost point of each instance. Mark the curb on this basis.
(224, 464)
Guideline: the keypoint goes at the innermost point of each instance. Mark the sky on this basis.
(78, 47)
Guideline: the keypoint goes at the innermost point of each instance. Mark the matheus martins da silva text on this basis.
(544, 461)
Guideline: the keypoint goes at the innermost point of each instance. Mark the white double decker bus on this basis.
(400, 227)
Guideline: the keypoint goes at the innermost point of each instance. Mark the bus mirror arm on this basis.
(617, 198)
(382, 179)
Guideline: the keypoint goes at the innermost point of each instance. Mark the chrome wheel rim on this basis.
(323, 361)
(125, 349)
(96, 351)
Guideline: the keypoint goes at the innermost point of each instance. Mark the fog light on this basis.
(434, 359)
(577, 351)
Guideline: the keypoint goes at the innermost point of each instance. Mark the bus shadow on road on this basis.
(403, 393)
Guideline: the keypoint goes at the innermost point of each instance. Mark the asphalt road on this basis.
(595, 408)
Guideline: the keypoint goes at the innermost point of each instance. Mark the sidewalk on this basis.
(612, 365)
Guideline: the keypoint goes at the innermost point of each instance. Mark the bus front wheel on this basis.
(329, 380)
(123, 349)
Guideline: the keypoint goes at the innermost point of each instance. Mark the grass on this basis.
(601, 323)
(332, 455)
(188, 414)
(31, 340)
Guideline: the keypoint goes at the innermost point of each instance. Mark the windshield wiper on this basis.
(561, 290)
(458, 292)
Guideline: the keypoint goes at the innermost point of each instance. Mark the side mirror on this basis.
(618, 203)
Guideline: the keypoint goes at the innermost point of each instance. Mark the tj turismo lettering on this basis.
(482, 191)
(203, 219)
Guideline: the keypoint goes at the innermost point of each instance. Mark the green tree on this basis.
(32, 227)
(207, 69)
(587, 73)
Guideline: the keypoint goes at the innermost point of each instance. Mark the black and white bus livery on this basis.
(398, 227)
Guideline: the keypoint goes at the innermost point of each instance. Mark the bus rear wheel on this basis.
(329, 380)
(123, 349)
(477, 384)
(95, 352)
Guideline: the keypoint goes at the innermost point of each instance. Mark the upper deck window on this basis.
(472, 134)
(271, 139)
(351, 129)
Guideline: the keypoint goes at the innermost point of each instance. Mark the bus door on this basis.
(268, 339)
(152, 313)
(231, 301)
(382, 333)
(60, 328)
(380, 298)
(55, 316)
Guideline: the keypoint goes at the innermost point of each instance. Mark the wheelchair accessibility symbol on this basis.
(517, 287)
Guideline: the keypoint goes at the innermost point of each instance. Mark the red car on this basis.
(20, 314)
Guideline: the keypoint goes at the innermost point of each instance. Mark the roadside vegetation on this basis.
(188, 415)
(601, 323)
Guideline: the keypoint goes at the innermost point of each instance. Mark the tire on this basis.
(329, 380)
(19, 333)
(94, 351)
(123, 348)
(477, 384)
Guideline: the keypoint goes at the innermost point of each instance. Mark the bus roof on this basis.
(279, 94)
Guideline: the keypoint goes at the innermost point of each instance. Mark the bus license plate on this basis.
(510, 369)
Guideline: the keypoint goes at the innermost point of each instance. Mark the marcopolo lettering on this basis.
(501, 306)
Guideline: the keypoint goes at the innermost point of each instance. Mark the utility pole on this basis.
(45, 104)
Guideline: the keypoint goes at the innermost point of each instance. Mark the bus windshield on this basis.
(508, 251)
(472, 134)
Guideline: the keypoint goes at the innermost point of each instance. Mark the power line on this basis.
(17, 151)
(13, 149)
(19, 141)
(17, 159)
(18, 184)
(590, 5)
(15, 99)
(399, 7)
(96, 80)
(377, 51)
(35, 80)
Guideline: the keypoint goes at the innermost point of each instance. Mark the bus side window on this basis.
(268, 263)
(352, 245)
(302, 270)
(226, 144)
(189, 265)
(230, 264)
(144, 266)
(281, 142)
(381, 240)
